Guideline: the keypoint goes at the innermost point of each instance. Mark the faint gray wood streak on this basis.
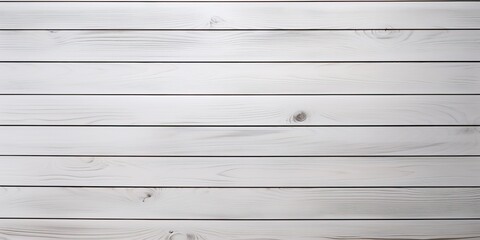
(240, 203)
(240, 110)
(381, 45)
(240, 172)
(237, 230)
(239, 78)
(240, 141)
(258, 15)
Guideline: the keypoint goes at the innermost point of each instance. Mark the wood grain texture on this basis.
(239, 78)
(240, 110)
(240, 172)
(237, 230)
(240, 141)
(375, 45)
(289, 167)
(240, 203)
(240, 15)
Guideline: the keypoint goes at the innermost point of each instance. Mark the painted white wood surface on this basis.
(249, 170)
(240, 203)
(237, 230)
(240, 141)
(240, 110)
(240, 15)
(240, 172)
(371, 45)
(239, 78)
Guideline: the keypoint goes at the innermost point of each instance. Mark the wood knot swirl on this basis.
(389, 34)
(300, 116)
(215, 20)
(180, 236)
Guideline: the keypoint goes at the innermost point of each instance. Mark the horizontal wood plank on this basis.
(182, 46)
(238, 15)
(240, 141)
(240, 172)
(237, 230)
(240, 110)
(240, 78)
(240, 203)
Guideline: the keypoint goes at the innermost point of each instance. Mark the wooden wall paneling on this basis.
(383, 144)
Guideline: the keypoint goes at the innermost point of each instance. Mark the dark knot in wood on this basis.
(300, 117)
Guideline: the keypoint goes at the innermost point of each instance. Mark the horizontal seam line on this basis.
(230, 62)
(387, 1)
(227, 157)
(238, 94)
(358, 156)
(240, 187)
(245, 219)
(238, 126)
(237, 29)
(240, 62)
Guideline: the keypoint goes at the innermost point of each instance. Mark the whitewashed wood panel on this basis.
(28, 229)
(239, 78)
(239, 15)
(240, 110)
(240, 203)
(240, 141)
(371, 45)
(240, 172)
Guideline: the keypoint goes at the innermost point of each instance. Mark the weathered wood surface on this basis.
(240, 172)
(240, 203)
(240, 110)
(239, 157)
(240, 15)
(239, 78)
(240, 141)
(237, 230)
(371, 45)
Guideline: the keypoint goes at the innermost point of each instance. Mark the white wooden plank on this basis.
(240, 203)
(237, 230)
(380, 45)
(240, 141)
(240, 15)
(239, 78)
(240, 110)
(240, 172)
